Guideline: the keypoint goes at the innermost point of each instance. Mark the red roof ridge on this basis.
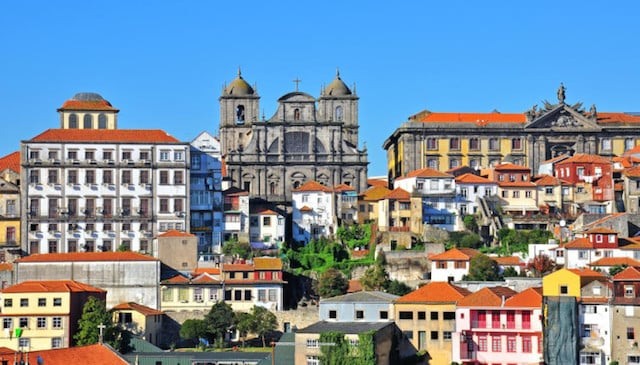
(176, 233)
(105, 135)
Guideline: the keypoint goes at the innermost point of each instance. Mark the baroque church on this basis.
(445, 141)
(306, 139)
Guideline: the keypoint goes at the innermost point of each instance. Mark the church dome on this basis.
(337, 87)
(87, 101)
(239, 87)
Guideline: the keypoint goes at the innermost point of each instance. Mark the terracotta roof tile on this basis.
(579, 243)
(86, 256)
(267, 263)
(603, 230)
(614, 261)
(6, 266)
(587, 273)
(632, 172)
(306, 208)
(473, 179)
(585, 158)
(456, 254)
(237, 267)
(618, 186)
(91, 354)
(11, 162)
(354, 286)
(205, 278)
(435, 292)
(51, 286)
(375, 193)
(623, 118)
(176, 233)
(142, 309)
(529, 298)
(312, 186)
(87, 105)
(630, 273)
(265, 211)
(105, 135)
(548, 180)
(510, 167)
(343, 187)
(555, 159)
(487, 297)
(178, 279)
(425, 172)
(377, 182)
(398, 194)
(516, 184)
(208, 270)
(508, 261)
(603, 220)
(476, 118)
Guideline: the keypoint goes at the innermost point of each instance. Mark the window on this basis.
(432, 144)
(338, 113)
(24, 342)
(526, 344)
(56, 343)
(631, 335)
(527, 194)
(164, 155)
(384, 315)
(526, 319)
(178, 178)
(41, 322)
(178, 205)
(605, 144)
(511, 344)
(422, 315)
(34, 177)
(126, 177)
(511, 319)
(422, 340)
(178, 155)
(434, 316)
(516, 194)
(405, 315)
(448, 316)
(57, 302)
(583, 254)
(167, 295)
(628, 291)
(494, 145)
(359, 314)
(7, 323)
(313, 360)
(454, 143)
(144, 177)
(460, 264)
(266, 221)
(164, 177)
(87, 121)
(73, 121)
(589, 357)
(495, 319)
(312, 343)
(564, 290)
(629, 143)
(102, 121)
(516, 143)
(24, 302)
(42, 302)
(164, 205)
(90, 177)
(482, 343)
(474, 144)
(23, 322)
(333, 314)
(195, 162)
(496, 344)
(434, 335)
(446, 335)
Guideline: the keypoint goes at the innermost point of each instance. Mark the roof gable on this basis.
(488, 297)
(473, 179)
(312, 186)
(456, 254)
(426, 173)
(398, 194)
(11, 162)
(435, 292)
(630, 273)
(562, 117)
(531, 298)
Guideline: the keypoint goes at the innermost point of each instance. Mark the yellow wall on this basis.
(439, 350)
(551, 283)
(3, 230)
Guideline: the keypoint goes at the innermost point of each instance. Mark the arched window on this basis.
(102, 121)
(240, 114)
(272, 188)
(73, 121)
(296, 114)
(338, 113)
(88, 121)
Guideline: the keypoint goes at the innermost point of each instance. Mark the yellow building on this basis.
(368, 204)
(427, 317)
(140, 320)
(9, 205)
(46, 311)
(568, 282)
(447, 140)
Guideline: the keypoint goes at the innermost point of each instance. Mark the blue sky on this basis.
(163, 63)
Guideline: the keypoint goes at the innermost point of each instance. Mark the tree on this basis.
(94, 313)
(332, 283)
(483, 268)
(470, 223)
(541, 265)
(244, 324)
(614, 270)
(399, 288)
(219, 320)
(471, 240)
(236, 248)
(510, 272)
(193, 329)
(263, 322)
(374, 278)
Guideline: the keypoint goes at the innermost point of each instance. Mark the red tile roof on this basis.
(426, 172)
(632, 172)
(354, 286)
(105, 135)
(237, 267)
(618, 118)
(614, 261)
(377, 182)
(375, 193)
(343, 187)
(508, 261)
(265, 212)
(205, 278)
(603, 230)
(487, 297)
(87, 105)
(91, 354)
(306, 208)
(208, 270)
(51, 286)
(11, 162)
(267, 263)
(548, 180)
(584, 158)
(142, 309)
(178, 279)
(529, 298)
(312, 186)
(579, 243)
(435, 292)
(176, 233)
(587, 273)
(473, 179)
(6, 266)
(456, 254)
(477, 118)
(555, 159)
(511, 167)
(516, 184)
(86, 256)
(630, 273)
(398, 194)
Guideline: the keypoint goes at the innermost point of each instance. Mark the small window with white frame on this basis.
(164, 155)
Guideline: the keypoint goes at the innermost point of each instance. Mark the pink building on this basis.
(499, 326)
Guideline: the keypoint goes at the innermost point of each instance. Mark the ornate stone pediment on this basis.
(561, 117)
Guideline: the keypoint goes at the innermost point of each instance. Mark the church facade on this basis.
(447, 140)
(306, 139)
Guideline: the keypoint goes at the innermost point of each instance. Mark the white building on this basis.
(313, 212)
(266, 228)
(469, 188)
(452, 265)
(236, 214)
(206, 193)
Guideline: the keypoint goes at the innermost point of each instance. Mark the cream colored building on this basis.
(88, 111)
(46, 311)
(140, 320)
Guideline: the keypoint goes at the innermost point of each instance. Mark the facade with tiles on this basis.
(306, 139)
(46, 311)
(446, 140)
(98, 190)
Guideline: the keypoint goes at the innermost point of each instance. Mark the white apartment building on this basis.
(101, 189)
(313, 212)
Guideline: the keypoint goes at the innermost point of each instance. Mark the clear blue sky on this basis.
(163, 63)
